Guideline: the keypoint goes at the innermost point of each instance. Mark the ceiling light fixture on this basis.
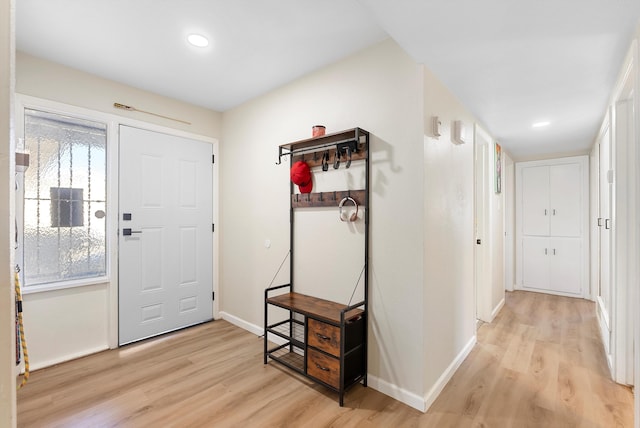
(198, 40)
(540, 124)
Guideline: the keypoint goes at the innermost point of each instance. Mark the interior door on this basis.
(604, 298)
(165, 233)
(481, 218)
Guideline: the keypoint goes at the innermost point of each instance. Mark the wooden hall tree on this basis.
(320, 338)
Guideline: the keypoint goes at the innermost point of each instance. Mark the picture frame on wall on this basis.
(498, 168)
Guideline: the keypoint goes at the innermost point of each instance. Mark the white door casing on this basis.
(482, 217)
(623, 257)
(603, 286)
(165, 274)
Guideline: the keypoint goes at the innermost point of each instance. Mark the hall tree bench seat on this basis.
(324, 340)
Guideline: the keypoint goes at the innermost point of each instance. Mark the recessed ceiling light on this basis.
(540, 124)
(198, 40)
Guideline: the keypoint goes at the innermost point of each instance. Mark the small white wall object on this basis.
(459, 133)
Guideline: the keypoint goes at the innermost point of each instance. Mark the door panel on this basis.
(165, 274)
(565, 200)
(535, 266)
(565, 265)
(535, 206)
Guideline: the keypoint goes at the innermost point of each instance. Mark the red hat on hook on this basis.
(301, 175)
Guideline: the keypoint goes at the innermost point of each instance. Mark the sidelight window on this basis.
(64, 225)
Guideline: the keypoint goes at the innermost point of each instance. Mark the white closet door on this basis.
(565, 199)
(535, 202)
(565, 267)
(535, 262)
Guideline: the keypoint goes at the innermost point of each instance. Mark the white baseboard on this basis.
(437, 388)
(251, 328)
(409, 398)
(239, 322)
(397, 393)
(63, 359)
(497, 309)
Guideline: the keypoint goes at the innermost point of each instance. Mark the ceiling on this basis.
(511, 63)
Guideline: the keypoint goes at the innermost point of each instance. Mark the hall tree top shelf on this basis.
(305, 148)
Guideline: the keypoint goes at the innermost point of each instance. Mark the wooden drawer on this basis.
(323, 367)
(324, 336)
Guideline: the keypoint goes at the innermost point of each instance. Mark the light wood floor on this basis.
(539, 364)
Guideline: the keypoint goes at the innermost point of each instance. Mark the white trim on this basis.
(409, 398)
(251, 328)
(497, 308)
(446, 376)
(67, 357)
(387, 388)
(623, 225)
(239, 322)
(63, 285)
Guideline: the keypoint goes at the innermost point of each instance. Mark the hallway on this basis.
(539, 364)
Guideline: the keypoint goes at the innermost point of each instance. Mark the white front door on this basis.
(165, 233)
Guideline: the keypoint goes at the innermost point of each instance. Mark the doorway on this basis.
(165, 233)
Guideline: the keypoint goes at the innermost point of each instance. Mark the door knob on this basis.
(128, 232)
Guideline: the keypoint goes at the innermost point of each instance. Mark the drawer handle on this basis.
(322, 336)
(324, 369)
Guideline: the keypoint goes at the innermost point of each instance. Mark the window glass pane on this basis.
(65, 198)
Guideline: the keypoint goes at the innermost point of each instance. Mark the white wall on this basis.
(44, 79)
(380, 90)
(7, 322)
(65, 324)
(448, 298)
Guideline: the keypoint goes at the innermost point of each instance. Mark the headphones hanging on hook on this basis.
(354, 215)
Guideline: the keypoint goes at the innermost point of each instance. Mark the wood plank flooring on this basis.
(539, 364)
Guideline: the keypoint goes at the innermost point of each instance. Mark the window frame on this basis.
(24, 103)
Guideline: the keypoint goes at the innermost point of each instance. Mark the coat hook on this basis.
(296, 197)
(325, 161)
(308, 197)
(335, 197)
(320, 194)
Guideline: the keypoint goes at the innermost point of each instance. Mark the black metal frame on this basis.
(350, 140)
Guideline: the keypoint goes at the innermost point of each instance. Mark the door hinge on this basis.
(213, 158)
(213, 295)
(213, 227)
